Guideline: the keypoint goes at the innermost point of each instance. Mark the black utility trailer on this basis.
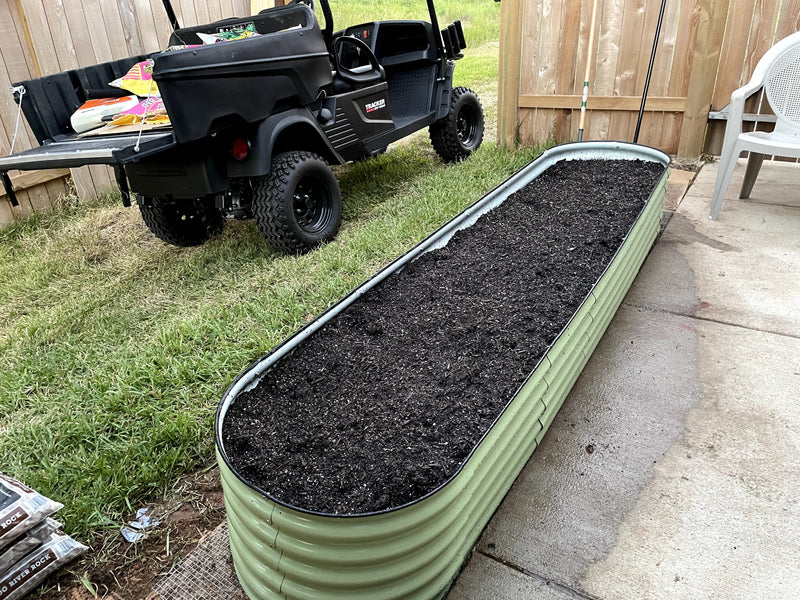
(257, 122)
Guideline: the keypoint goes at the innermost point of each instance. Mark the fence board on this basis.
(653, 122)
(214, 10)
(679, 30)
(607, 61)
(509, 75)
(98, 36)
(163, 28)
(13, 68)
(146, 23)
(23, 35)
(79, 36)
(734, 49)
(9, 214)
(188, 13)
(130, 26)
(567, 71)
(707, 48)
(202, 11)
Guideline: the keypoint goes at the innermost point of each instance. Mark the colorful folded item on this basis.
(138, 80)
(91, 114)
(231, 35)
(149, 111)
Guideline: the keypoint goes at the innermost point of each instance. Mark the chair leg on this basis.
(753, 167)
(727, 163)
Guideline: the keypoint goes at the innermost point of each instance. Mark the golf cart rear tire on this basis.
(182, 222)
(460, 133)
(297, 205)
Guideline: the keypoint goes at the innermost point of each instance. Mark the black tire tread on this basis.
(163, 220)
(270, 199)
(443, 132)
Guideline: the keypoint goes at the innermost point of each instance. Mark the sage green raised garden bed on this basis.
(416, 551)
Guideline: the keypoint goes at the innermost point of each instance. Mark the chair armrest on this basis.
(738, 98)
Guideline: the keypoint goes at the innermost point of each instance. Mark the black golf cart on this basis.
(255, 124)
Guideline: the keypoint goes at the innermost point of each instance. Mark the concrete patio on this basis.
(673, 468)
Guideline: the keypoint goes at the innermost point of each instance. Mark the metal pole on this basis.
(171, 15)
(588, 70)
(649, 72)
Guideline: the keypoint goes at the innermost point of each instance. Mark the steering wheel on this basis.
(353, 76)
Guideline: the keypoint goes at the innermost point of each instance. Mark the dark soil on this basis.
(384, 403)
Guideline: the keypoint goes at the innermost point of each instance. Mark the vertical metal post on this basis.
(649, 72)
(437, 34)
(588, 70)
(171, 15)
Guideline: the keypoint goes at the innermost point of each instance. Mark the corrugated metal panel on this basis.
(415, 552)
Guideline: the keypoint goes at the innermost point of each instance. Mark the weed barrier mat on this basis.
(415, 550)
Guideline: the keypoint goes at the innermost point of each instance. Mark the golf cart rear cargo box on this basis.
(212, 87)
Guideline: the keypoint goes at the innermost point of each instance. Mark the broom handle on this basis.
(588, 70)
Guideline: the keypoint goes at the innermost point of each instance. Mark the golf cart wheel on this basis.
(182, 222)
(460, 133)
(297, 205)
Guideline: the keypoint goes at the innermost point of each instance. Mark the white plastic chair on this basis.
(778, 73)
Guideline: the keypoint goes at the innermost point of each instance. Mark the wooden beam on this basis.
(623, 103)
(31, 178)
(509, 78)
(711, 19)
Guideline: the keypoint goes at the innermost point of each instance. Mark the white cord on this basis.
(144, 116)
(21, 91)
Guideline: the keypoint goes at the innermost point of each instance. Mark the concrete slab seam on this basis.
(578, 595)
(665, 311)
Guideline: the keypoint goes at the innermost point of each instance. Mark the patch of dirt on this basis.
(118, 570)
(383, 404)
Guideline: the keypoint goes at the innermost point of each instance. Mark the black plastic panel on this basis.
(208, 88)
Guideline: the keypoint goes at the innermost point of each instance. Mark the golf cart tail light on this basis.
(240, 148)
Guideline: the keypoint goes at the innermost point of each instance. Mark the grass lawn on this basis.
(116, 348)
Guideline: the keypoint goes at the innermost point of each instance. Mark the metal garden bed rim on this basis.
(439, 238)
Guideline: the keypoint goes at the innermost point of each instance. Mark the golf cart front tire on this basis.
(460, 133)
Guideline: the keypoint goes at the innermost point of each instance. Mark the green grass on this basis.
(116, 348)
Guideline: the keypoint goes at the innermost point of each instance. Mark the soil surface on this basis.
(384, 403)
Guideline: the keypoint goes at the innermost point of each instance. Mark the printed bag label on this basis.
(9, 520)
(17, 578)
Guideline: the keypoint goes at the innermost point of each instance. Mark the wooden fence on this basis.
(707, 48)
(41, 37)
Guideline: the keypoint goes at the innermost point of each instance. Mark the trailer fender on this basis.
(296, 129)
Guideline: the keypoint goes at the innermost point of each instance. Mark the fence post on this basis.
(711, 15)
(510, 60)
